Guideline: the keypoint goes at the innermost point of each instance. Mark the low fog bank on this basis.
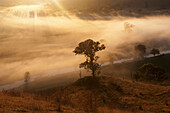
(42, 44)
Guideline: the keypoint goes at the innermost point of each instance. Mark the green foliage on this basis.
(155, 51)
(89, 49)
(140, 50)
(150, 72)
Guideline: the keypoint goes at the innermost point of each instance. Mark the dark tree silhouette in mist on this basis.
(140, 50)
(89, 49)
(27, 77)
(26, 80)
(128, 27)
(155, 51)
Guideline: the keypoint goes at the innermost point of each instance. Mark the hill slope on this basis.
(102, 94)
(108, 94)
(128, 68)
(14, 102)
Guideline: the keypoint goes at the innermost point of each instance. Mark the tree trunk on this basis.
(92, 66)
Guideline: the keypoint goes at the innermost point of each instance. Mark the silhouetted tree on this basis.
(27, 77)
(128, 27)
(155, 51)
(150, 72)
(89, 49)
(26, 80)
(140, 50)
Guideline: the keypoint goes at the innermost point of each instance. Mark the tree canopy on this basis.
(140, 50)
(155, 51)
(89, 48)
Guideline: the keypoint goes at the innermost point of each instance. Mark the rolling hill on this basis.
(111, 93)
(16, 102)
(107, 94)
(102, 94)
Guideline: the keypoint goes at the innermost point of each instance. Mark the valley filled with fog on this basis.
(40, 37)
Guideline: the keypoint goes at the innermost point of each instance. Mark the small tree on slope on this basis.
(155, 51)
(150, 72)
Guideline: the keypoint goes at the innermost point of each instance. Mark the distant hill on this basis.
(153, 4)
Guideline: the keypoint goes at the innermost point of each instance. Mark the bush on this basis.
(155, 51)
(150, 72)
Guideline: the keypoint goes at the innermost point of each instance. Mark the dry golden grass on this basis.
(108, 110)
(12, 101)
(108, 94)
(102, 94)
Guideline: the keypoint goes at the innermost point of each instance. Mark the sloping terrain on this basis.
(108, 94)
(14, 102)
(102, 94)
(127, 68)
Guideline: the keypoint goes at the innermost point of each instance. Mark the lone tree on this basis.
(128, 27)
(150, 72)
(26, 80)
(140, 50)
(155, 51)
(27, 77)
(89, 49)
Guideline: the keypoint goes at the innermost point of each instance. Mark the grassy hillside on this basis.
(16, 102)
(109, 94)
(51, 82)
(162, 61)
(126, 69)
(102, 94)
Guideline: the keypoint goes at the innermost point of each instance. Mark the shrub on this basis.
(150, 72)
(155, 51)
